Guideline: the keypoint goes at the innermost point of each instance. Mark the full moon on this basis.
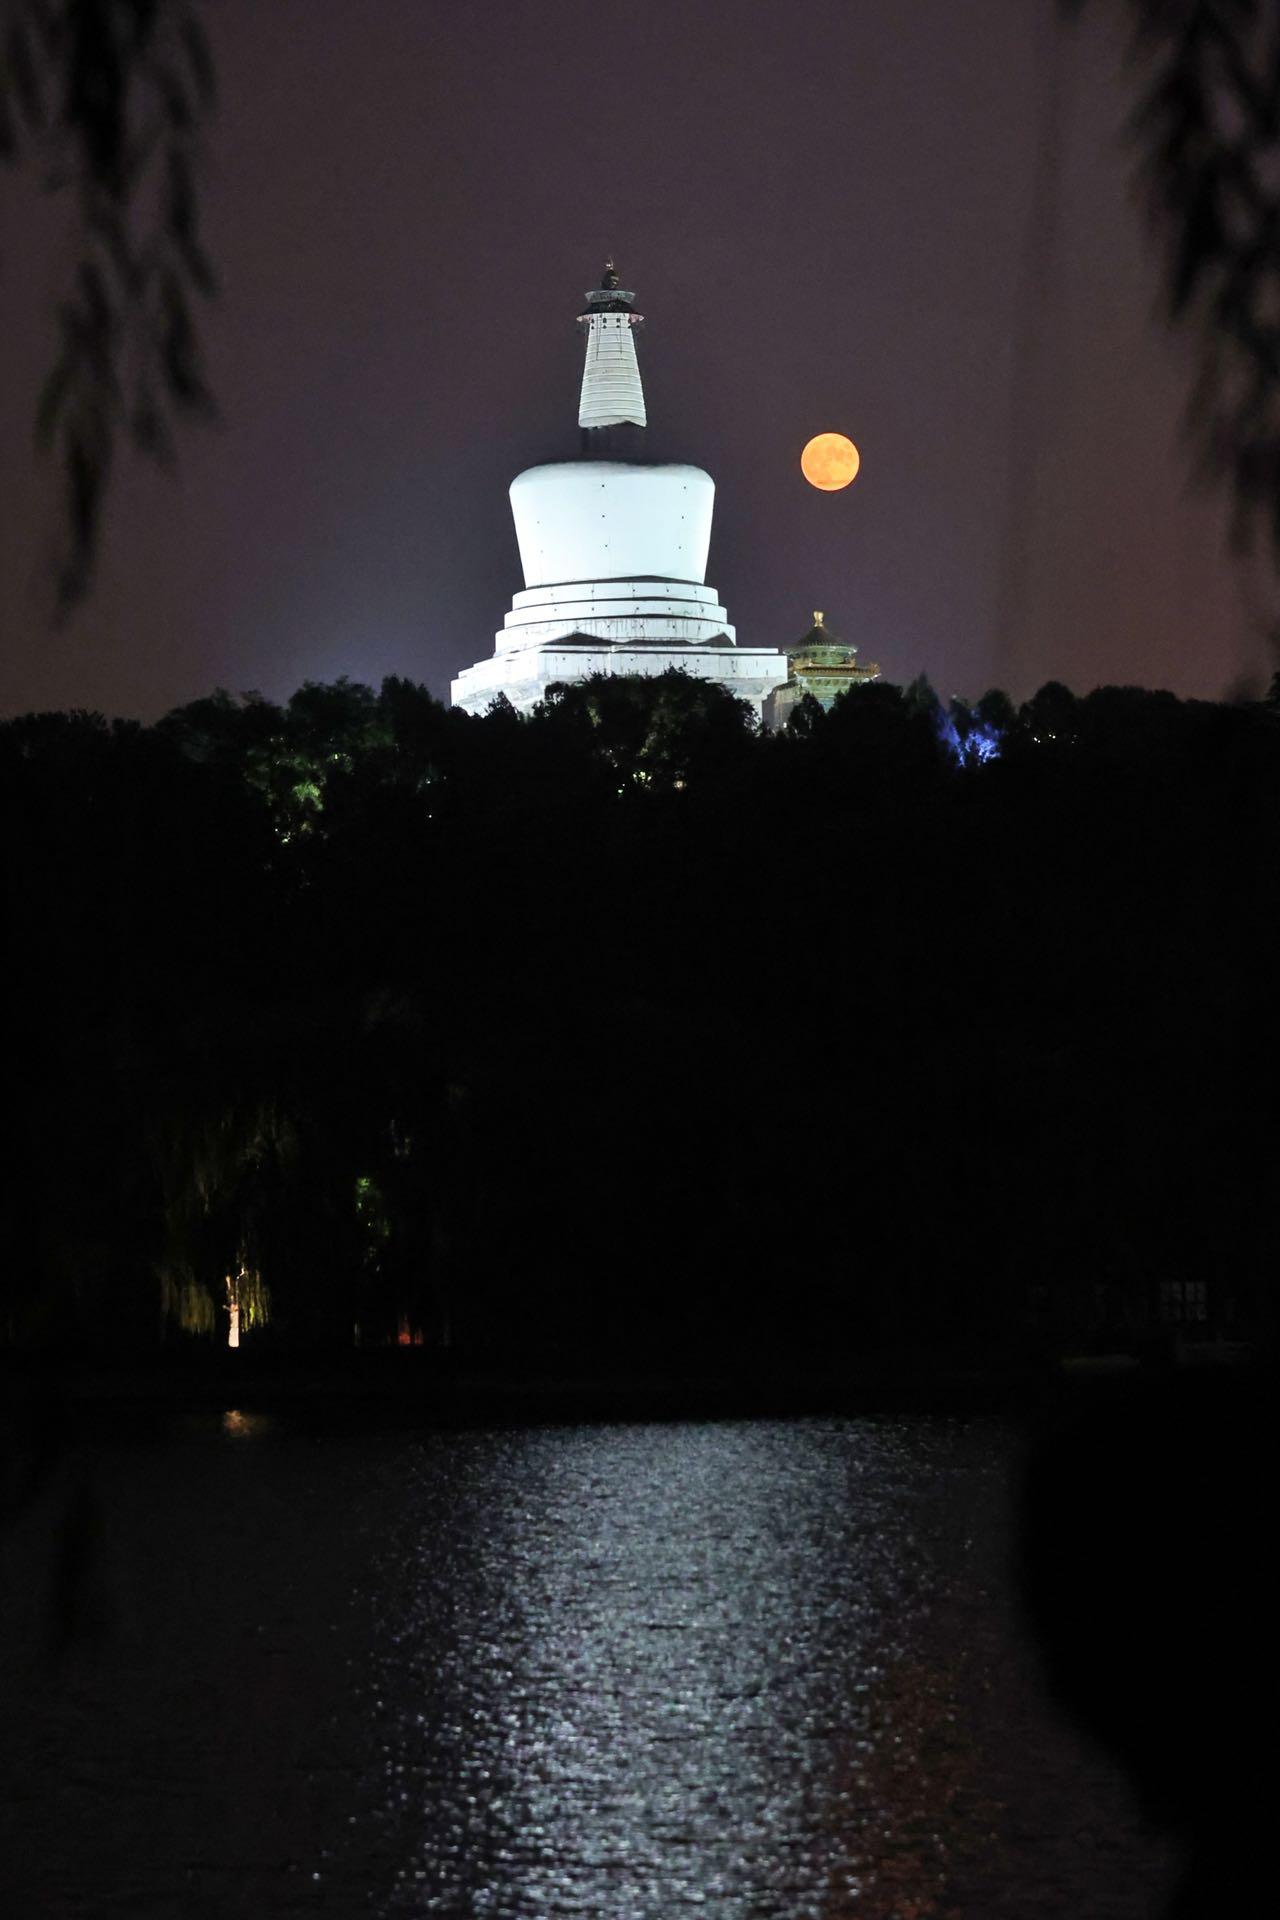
(830, 461)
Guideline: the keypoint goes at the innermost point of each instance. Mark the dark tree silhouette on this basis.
(541, 1032)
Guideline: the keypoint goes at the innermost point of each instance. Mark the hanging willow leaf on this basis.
(199, 59)
(23, 74)
(53, 396)
(106, 226)
(134, 80)
(86, 468)
(178, 105)
(1206, 128)
(181, 221)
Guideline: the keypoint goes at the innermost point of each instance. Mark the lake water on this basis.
(740, 1670)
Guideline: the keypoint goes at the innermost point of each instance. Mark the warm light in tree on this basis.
(248, 1302)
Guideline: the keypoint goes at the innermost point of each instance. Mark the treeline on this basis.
(623, 1030)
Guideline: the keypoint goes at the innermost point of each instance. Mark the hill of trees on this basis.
(624, 1032)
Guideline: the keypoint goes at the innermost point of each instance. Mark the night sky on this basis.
(909, 220)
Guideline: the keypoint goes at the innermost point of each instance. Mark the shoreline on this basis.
(397, 1388)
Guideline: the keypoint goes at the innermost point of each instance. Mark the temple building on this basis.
(614, 550)
(819, 664)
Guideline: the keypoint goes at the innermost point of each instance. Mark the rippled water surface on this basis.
(740, 1670)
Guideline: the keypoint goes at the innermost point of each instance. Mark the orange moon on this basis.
(830, 461)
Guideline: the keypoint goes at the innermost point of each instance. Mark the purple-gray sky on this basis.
(909, 220)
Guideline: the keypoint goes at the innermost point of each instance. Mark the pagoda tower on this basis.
(821, 664)
(613, 550)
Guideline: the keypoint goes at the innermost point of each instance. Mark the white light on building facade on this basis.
(614, 552)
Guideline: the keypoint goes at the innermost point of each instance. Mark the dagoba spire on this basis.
(612, 395)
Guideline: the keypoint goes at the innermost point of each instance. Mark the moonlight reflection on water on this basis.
(744, 1668)
(752, 1669)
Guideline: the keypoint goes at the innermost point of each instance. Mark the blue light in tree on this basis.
(970, 741)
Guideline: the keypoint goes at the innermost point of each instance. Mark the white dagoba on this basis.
(614, 553)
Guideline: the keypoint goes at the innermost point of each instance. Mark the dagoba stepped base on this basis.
(524, 674)
(618, 612)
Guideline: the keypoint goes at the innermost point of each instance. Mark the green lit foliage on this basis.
(293, 757)
(187, 1302)
(248, 1292)
(805, 718)
(396, 1206)
(217, 1174)
(655, 732)
(371, 1208)
(325, 730)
